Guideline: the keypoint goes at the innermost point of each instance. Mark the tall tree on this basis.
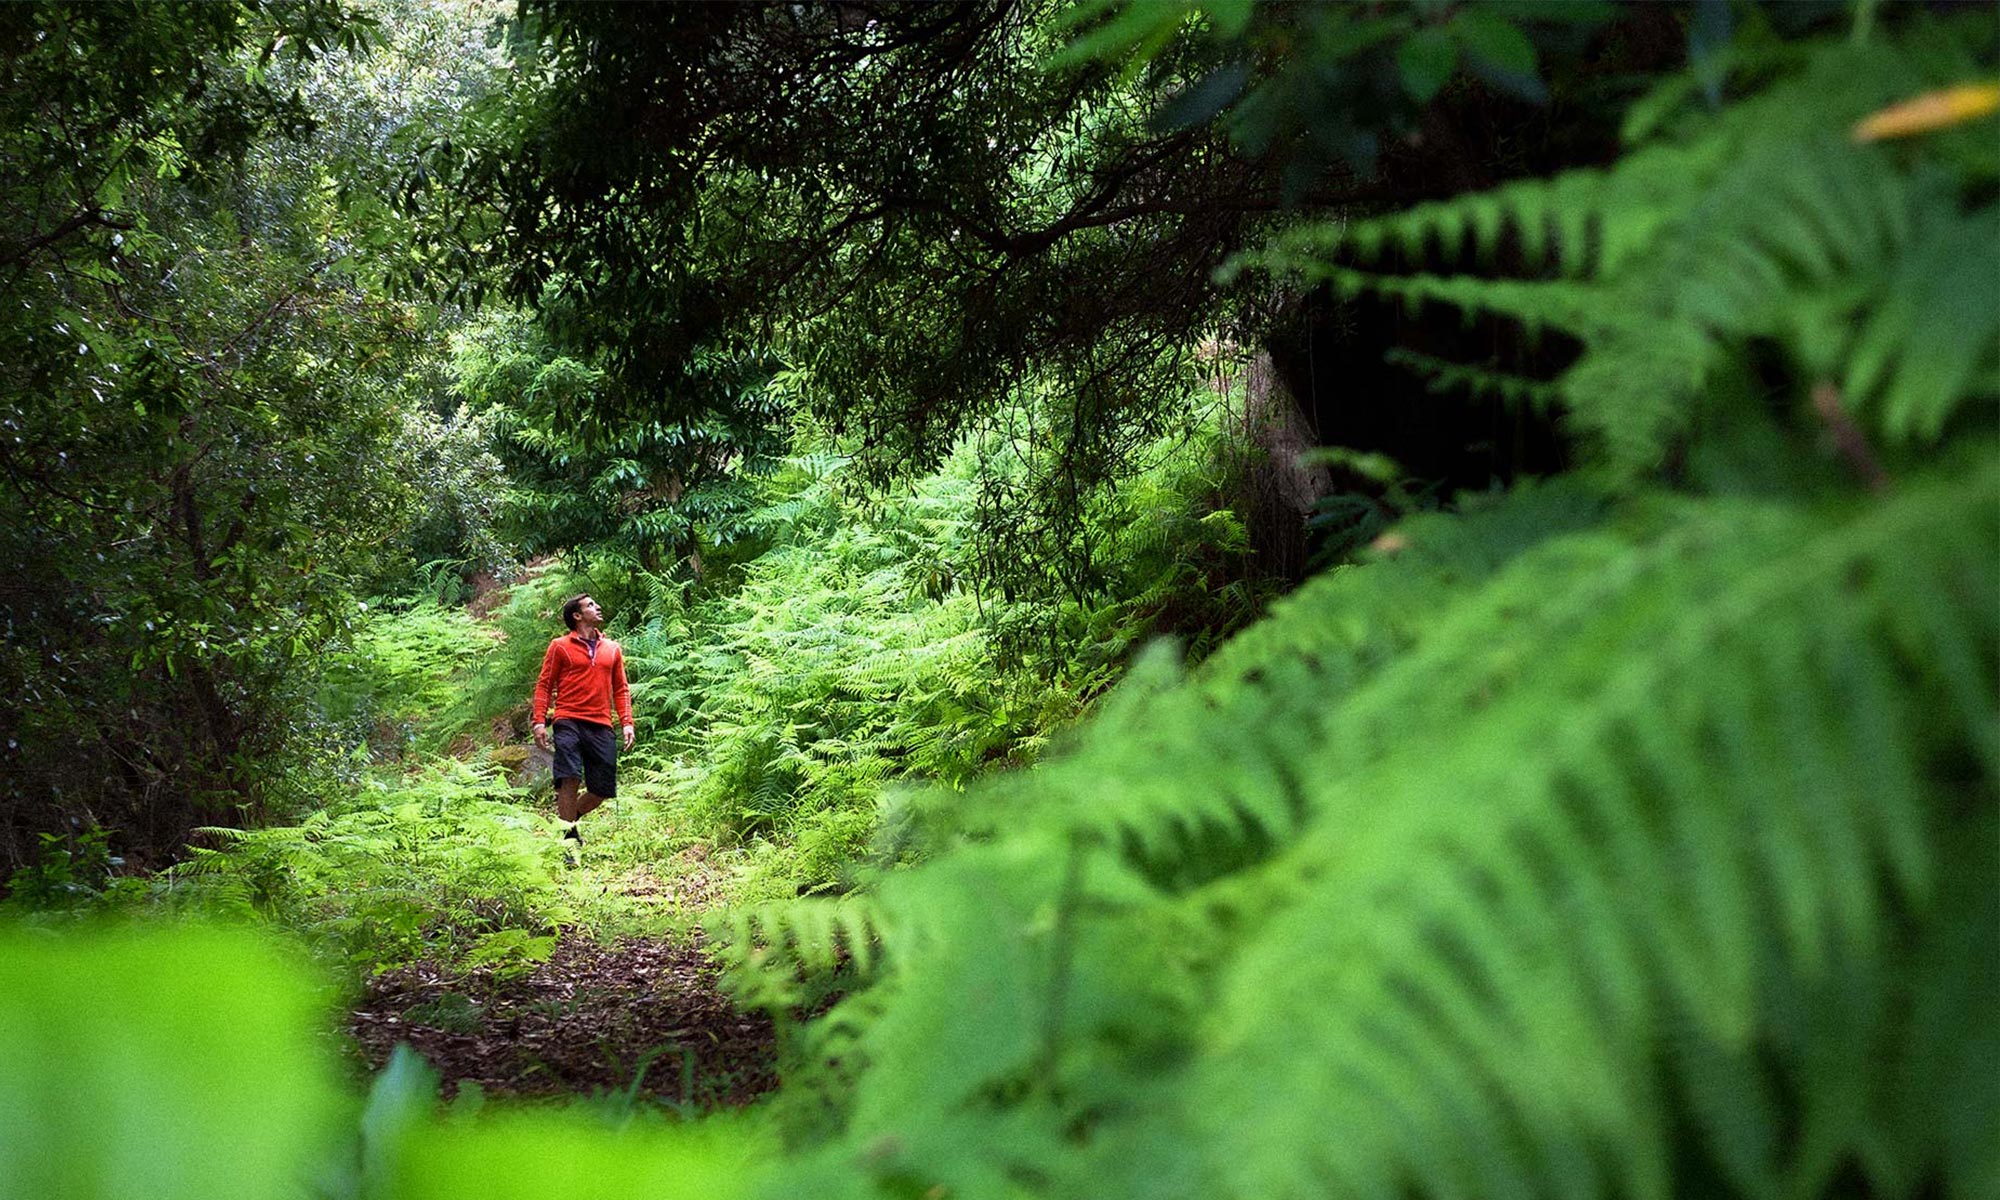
(897, 199)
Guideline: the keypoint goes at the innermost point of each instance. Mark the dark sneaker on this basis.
(573, 835)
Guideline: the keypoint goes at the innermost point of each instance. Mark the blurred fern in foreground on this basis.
(1869, 267)
(1634, 834)
(183, 1064)
(1661, 852)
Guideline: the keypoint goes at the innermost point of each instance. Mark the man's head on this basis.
(580, 608)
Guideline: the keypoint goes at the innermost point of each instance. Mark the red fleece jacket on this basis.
(585, 679)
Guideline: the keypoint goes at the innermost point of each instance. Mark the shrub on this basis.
(443, 865)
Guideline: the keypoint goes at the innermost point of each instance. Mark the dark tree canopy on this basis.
(899, 199)
(943, 214)
(900, 195)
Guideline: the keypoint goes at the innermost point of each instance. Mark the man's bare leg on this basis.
(572, 804)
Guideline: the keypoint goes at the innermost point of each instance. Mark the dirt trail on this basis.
(583, 1022)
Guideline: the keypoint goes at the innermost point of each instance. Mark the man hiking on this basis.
(584, 675)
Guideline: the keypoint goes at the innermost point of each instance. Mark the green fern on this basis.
(437, 866)
(1684, 853)
(848, 655)
(781, 949)
(1476, 909)
(1593, 840)
(1866, 263)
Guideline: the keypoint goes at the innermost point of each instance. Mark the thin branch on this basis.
(81, 218)
(1847, 436)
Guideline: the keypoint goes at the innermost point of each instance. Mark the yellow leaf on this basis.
(1932, 110)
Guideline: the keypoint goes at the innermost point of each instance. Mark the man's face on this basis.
(589, 612)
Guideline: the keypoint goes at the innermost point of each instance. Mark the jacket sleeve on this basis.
(621, 695)
(538, 708)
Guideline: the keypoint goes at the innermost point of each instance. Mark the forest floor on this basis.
(628, 1007)
(643, 1017)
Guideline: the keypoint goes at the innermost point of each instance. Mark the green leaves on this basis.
(1493, 38)
(199, 385)
(403, 1098)
(1115, 29)
(177, 1063)
(1213, 93)
(1443, 852)
(174, 1065)
(1507, 940)
(511, 952)
(1427, 59)
(1606, 838)
(445, 866)
(659, 490)
(1768, 223)
(553, 1155)
(1494, 46)
(1498, 50)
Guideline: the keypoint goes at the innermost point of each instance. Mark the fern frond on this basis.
(1478, 381)
(1273, 680)
(1614, 857)
(1714, 817)
(1935, 335)
(1766, 223)
(772, 948)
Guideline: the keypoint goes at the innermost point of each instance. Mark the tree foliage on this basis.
(938, 216)
(185, 425)
(899, 202)
(656, 492)
(207, 390)
(1769, 221)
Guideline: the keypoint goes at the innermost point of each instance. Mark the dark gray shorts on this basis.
(588, 751)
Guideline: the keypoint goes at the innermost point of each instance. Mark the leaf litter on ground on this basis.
(589, 1020)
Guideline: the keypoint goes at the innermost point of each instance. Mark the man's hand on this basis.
(541, 733)
(630, 733)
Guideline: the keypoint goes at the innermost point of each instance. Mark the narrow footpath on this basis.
(590, 1020)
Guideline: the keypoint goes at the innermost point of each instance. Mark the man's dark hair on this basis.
(572, 606)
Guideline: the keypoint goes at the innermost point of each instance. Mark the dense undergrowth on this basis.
(1628, 834)
(777, 698)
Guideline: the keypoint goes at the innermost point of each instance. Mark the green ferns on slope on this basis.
(843, 658)
(1599, 840)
